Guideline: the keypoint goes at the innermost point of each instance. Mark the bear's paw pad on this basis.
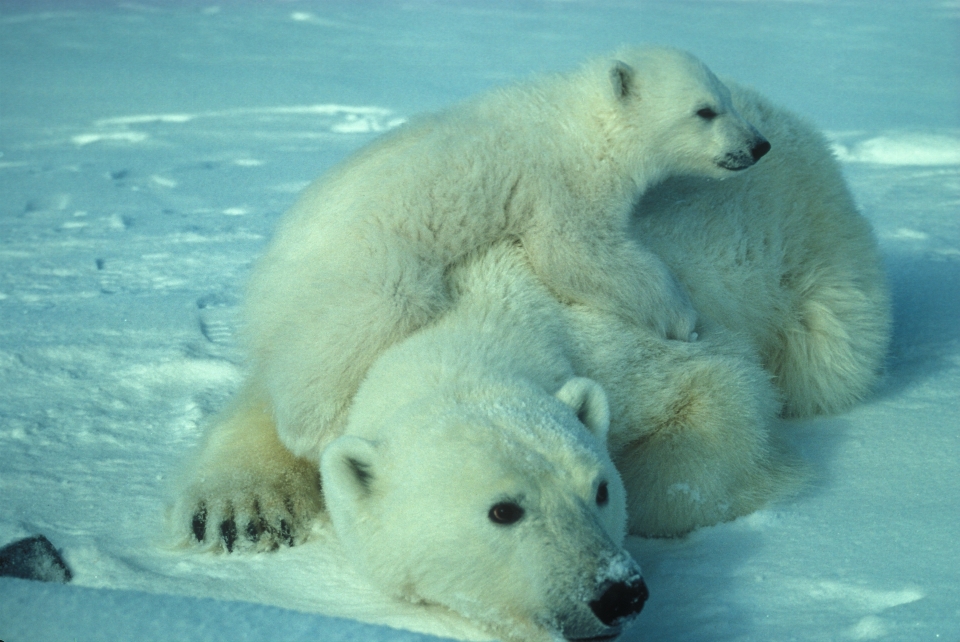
(250, 519)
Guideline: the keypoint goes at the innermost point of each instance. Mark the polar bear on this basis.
(782, 254)
(788, 281)
(360, 261)
(793, 320)
(474, 473)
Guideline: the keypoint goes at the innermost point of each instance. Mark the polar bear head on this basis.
(670, 115)
(502, 505)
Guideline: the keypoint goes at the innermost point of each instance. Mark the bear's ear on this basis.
(622, 77)
(347, 469)
(589, 403)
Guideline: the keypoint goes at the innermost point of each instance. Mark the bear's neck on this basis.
(598, 161)
(483, 344)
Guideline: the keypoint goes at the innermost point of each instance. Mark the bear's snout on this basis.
(745, 157)
(620, 601)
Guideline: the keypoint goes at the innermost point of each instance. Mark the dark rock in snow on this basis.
(33, 558)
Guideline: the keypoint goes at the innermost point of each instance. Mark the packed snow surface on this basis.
(146, 151)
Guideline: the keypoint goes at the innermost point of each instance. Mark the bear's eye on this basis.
(707, 114)
(603, 494)
(505, 513)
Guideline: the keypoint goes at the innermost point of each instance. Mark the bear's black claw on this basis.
(253, 531)
(285, 535)
(228, 534)
(199, 523)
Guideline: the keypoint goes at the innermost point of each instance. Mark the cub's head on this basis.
(669, 115)
(502, 506)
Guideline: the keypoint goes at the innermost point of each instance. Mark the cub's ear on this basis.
(589, 403)
(348, 471)
(623, 79)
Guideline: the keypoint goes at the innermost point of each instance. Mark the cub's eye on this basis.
(505, 513)
(603, 494)
(707, 114)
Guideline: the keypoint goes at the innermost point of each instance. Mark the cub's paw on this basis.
(249, 511)
(674, 317)
(655, 299)
(682, 324)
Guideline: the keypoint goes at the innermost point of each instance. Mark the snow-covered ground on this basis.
(146, 150)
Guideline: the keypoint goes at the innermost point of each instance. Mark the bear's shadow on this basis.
(925, 329)
(692, 578)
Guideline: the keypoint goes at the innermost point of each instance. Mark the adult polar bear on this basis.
(474, 472)
(794, 315)
(361, 260)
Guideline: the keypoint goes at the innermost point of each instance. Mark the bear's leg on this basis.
(613, 274)
(830, 350)
(315, 362)
(244, 490)
(690, 435)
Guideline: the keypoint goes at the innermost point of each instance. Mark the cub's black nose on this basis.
(619, 601)
(760, 149)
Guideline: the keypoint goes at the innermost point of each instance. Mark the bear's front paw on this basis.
(677, 319)
(684, 327)
(657, 300)
(243, 513)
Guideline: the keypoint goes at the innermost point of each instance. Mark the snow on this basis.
(146, 150)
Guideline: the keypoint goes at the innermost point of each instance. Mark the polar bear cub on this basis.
(361, 260)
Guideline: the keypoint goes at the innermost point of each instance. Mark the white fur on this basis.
(795, 321)
(361, 260)
(479, 408)
(780, 254)
(517, 388)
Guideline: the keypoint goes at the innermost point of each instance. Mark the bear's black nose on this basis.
(620, 600)
(760, 149)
